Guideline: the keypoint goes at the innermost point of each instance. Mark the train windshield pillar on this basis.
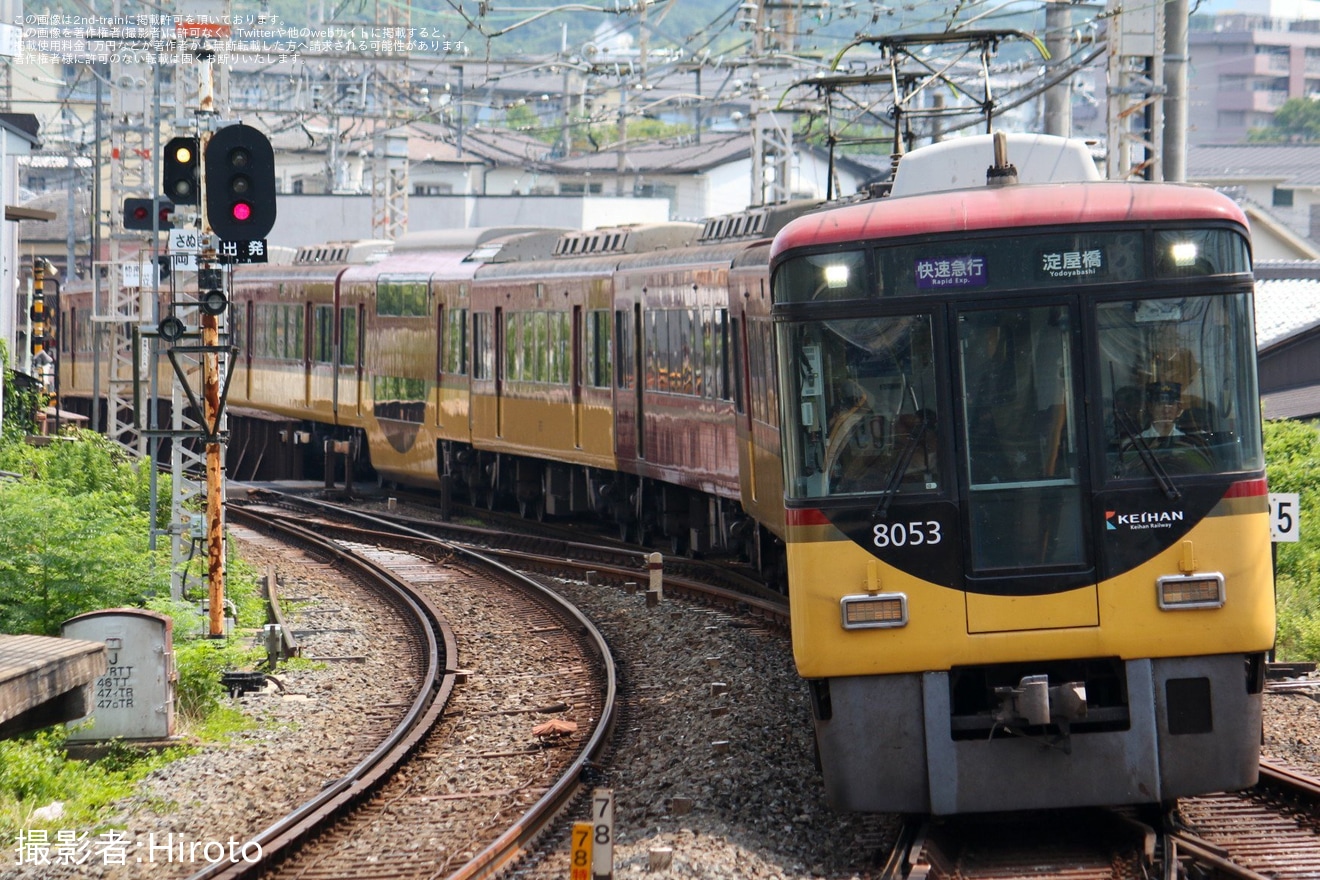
(866, 406)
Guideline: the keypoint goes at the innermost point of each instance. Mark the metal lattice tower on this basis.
(772, 137)
(389, 170)
(128, 300)
(1135, 118)
(389, 185)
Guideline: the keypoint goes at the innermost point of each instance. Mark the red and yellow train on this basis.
(1001, 443)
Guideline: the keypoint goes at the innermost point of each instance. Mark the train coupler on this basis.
(1034, 702)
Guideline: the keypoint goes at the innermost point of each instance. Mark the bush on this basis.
(35, 771)
(1292, 456)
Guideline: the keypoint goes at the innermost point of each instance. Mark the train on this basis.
(996, 433)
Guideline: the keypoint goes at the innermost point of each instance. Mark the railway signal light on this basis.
(214, 302)
(182, 159)
(139, 213)
(171, 329)
(240, 184)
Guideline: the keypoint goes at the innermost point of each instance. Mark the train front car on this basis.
(1028, 548)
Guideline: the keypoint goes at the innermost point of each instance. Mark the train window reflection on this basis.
(1178, 387)
(863, 416)
(1020, 421)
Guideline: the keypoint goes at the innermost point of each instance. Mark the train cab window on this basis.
(1178, 387)
(861, 412)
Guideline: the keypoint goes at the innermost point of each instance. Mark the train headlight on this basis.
(872, 610)
(836, 275)
(1184, 254)
(1177, 592)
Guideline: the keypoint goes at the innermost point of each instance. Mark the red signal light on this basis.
(141, 213)
(242, 211)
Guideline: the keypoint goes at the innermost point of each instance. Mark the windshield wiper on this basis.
(1124, 424)
(900, 468)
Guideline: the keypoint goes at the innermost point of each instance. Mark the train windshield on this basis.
(865, 390)
(1178, 383)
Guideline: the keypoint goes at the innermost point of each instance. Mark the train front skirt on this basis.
(1193, 725)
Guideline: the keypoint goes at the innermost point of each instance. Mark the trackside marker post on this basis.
(655, 565)
(602, 844)
(580, 863)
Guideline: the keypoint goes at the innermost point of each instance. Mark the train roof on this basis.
(962, 162)
(359, 251)
(463, 239)
(1007, 207)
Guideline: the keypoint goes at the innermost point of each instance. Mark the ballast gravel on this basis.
(713, 773)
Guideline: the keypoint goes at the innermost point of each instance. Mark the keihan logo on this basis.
(1147, 519)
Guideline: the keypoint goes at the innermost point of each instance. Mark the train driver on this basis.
(1163, 407)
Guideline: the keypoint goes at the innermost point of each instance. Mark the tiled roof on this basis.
(1296, 164)
(1285, 307)
(684, 156)
(1294, 403)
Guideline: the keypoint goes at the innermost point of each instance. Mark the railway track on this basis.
(409, 809)
(1268, 832)
(1262, 833)
(543, 548)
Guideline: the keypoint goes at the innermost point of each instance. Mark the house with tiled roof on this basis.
(1279, 182)
(1288, 338)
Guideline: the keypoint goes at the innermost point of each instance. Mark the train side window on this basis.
(597, 364)
(739, 359)
(348, 336)
(323, 334)
(454, 354)
(483, 346)
(626, 356)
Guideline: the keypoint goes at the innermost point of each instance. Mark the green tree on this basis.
(73, 533)
(1296, 120)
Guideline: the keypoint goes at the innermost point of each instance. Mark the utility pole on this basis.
(1058, 98)
(1176, 61)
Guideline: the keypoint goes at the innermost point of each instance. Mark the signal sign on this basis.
(139, 213)
(240, 183)
(179, 171)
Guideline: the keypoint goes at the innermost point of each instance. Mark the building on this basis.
(1244, 65)
(1277, 184)
(1288, 339)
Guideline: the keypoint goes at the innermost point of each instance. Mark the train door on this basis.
(499, 372)
(639, 361)
(308, 315)
(741, 380)
(347, 399)
(1025, 506)
(575, 370)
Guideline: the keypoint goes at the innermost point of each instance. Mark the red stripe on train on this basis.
(1247, 489)
(805, 516)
